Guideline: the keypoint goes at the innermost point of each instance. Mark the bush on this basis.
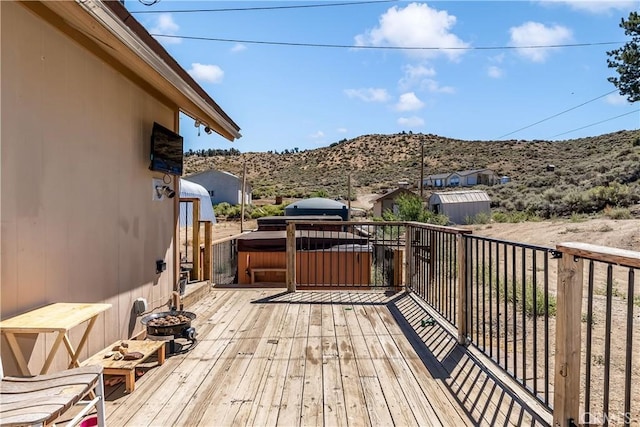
(222, 209)
(481, 218)
(267, 210)
(617, 213)
(411, 208)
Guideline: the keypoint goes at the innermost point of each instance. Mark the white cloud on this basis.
(238, 47)
(317, 135)
(342, 130)
(434, 86)
(600, 6)
(495, 72)
(420, 76)
(368, 95)
(537, 34)
(411, 122)
(414, 75)
(165, 25)
(417, 25)
(616, 99)
(206, 73)
(409, 102)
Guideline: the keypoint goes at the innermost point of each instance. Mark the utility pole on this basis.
(244, 183)
(421, 170)
(349, 196)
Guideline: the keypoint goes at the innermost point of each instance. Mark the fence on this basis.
(510, 310)
(571, 343)
(225, 261)
(360, 255)
(433, 256)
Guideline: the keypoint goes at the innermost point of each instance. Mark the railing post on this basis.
(291, 257)
(462, 289)
(207, 265)
(408, 257)
(566, 398)
(195, 240)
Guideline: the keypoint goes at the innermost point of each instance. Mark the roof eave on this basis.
(190, 98)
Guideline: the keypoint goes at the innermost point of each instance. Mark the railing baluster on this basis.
(546, 331)
(514, 308)
(629, 349)
(505, 286)
(490, 268)
(588, 344)
(534, 363)
(497, 290)
(523, 267)
(607, 346)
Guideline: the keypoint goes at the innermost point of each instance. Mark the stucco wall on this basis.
(78, 220)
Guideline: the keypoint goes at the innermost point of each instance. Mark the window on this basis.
(454, 181)
(212, 193)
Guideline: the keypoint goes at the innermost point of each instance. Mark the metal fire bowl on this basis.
(168, 329)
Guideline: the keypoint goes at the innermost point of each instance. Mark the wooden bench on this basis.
(254, 270)
(127, 368)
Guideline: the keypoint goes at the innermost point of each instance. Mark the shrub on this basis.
(267, 210)
(532, 307)
(222, 209)
(411, 208)
(617, 213)
(480, 218)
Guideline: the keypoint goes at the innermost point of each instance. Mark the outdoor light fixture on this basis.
(207, 129)
(165, 190)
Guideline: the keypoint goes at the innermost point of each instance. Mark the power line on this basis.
(344, 46)
(557, 114)
(237, 9)
(597, 123)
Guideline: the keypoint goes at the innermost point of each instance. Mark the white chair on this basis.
(41, 399)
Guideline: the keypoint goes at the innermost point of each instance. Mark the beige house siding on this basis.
(78, 223)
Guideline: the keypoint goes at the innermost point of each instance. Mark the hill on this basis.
(379, 162)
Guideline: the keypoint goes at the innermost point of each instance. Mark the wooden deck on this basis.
(265, 357)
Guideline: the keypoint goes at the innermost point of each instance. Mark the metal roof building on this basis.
(190, 189)
(460, 206)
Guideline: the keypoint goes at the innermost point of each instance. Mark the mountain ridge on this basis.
(378, 162)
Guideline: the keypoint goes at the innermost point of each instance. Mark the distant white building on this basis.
(222, 186)
(466, 178)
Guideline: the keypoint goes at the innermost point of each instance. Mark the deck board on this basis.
(265, 357)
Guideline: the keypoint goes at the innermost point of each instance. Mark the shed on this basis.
(222, 186)
(192, 190)
(317, 206)
(459, 206)
(387, 201)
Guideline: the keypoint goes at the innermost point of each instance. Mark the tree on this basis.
(626, 60)
(411, 208)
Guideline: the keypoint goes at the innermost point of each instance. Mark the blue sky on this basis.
(485, 86)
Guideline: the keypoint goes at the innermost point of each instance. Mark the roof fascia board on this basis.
(113, 24)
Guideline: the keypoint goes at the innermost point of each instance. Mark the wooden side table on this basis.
(56, 318)
(127, 368)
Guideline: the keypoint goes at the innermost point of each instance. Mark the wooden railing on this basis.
(597, 338)
(563, 354)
